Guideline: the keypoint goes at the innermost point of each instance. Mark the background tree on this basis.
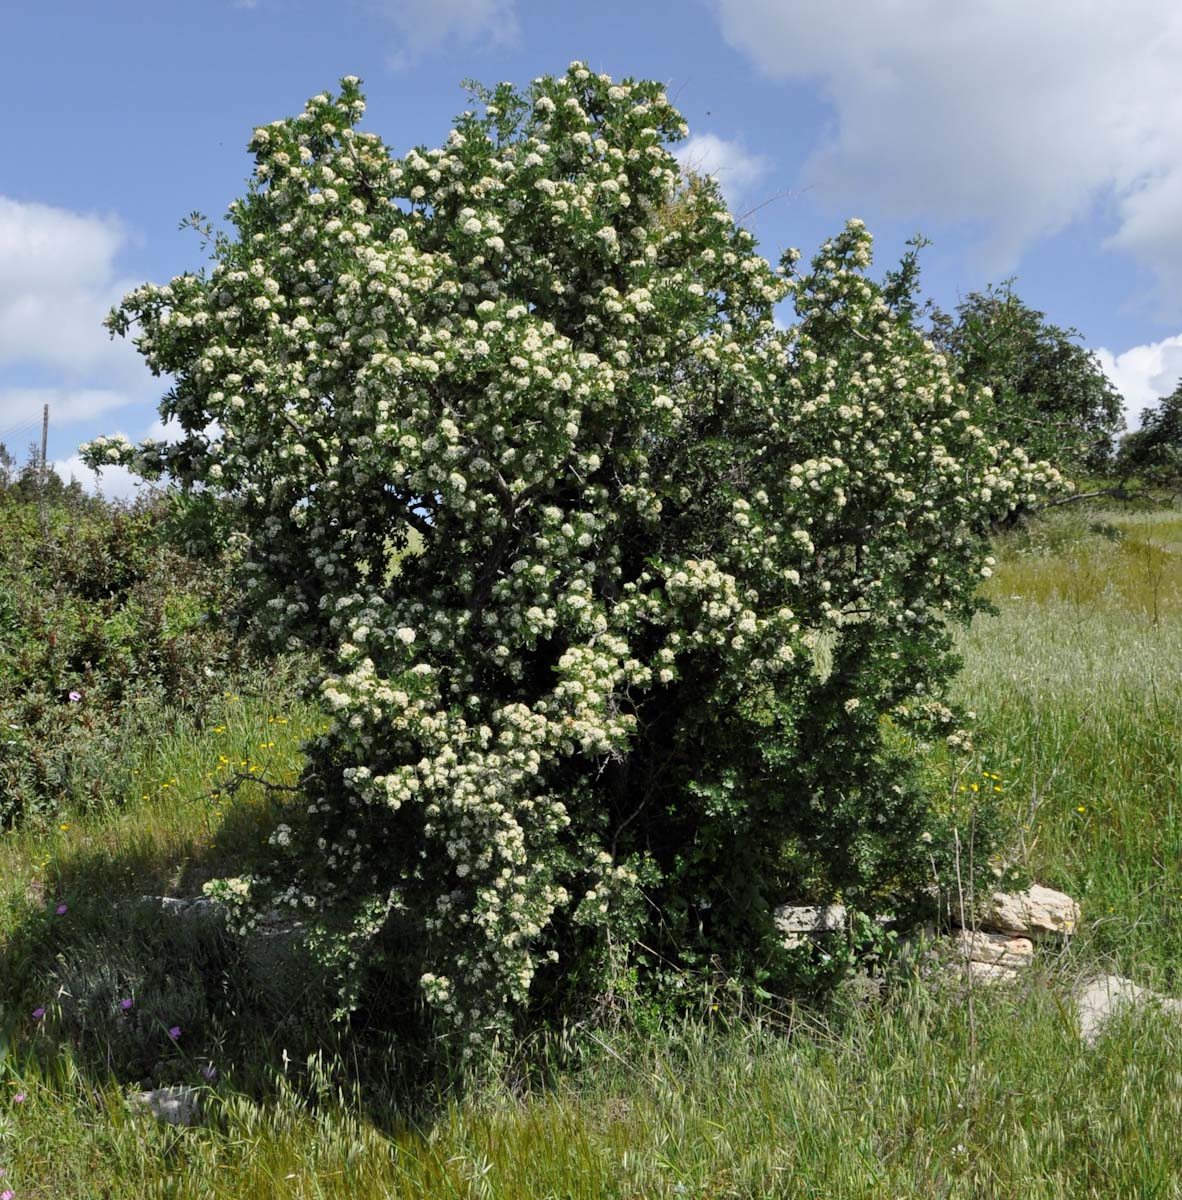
(34, 481)
(1037, 387)
(1153, 453)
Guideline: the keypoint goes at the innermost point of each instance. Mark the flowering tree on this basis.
(680, 573)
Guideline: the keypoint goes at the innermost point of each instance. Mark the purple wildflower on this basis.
(174, 1032)
(8, 1194)
(75, 697)
(126, 1003)
(62, 909)
(38, 1013)
(19, 1098)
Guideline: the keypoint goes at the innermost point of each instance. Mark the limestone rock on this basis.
(274, 954)
(995, 949)
(272, 947)
(861, 989)
(1038, 913)
(172, 1105)
(270, 924)
(802, 923)
(1098, 999)
(986, 972)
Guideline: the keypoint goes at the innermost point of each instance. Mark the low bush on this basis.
(102, 624)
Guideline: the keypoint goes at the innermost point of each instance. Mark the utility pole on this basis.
(42, 512)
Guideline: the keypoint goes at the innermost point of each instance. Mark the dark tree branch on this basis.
(1120, 492)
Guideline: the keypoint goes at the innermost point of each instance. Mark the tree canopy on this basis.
(1037, 387)
(1153, 452)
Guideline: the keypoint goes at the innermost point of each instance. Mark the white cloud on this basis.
(59, 280)
(172, 430)
(736, 170)
(422, 27)
(1144, 374)
(1020, 117)
(116, 483)
(58, 269)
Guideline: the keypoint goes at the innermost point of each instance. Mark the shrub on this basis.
(684, 577)
(102, 622)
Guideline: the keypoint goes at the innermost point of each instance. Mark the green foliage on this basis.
(101, 622)
(682, 573)
(1038, 387)
(34, 481)
(1153, 452)
(79, 939)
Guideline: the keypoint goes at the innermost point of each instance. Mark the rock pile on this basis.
(994, 944)
(997, 944)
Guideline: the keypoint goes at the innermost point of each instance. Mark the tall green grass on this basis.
(913, 1100)
(1076, 684)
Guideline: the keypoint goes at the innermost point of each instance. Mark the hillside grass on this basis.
(1077, 683)
(927, 1092)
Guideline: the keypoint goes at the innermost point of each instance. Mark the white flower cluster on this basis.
(113, 450)
(517, 443)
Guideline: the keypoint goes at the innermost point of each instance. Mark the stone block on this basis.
(995, 949)
(1098, 999)
(802, 923)
(1038, 913)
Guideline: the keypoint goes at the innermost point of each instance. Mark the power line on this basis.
(21, 424)
(14, 431)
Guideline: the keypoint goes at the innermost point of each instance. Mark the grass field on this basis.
(1077, 683)
(1078, 687)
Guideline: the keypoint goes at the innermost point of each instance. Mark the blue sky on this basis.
(1040, 141)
